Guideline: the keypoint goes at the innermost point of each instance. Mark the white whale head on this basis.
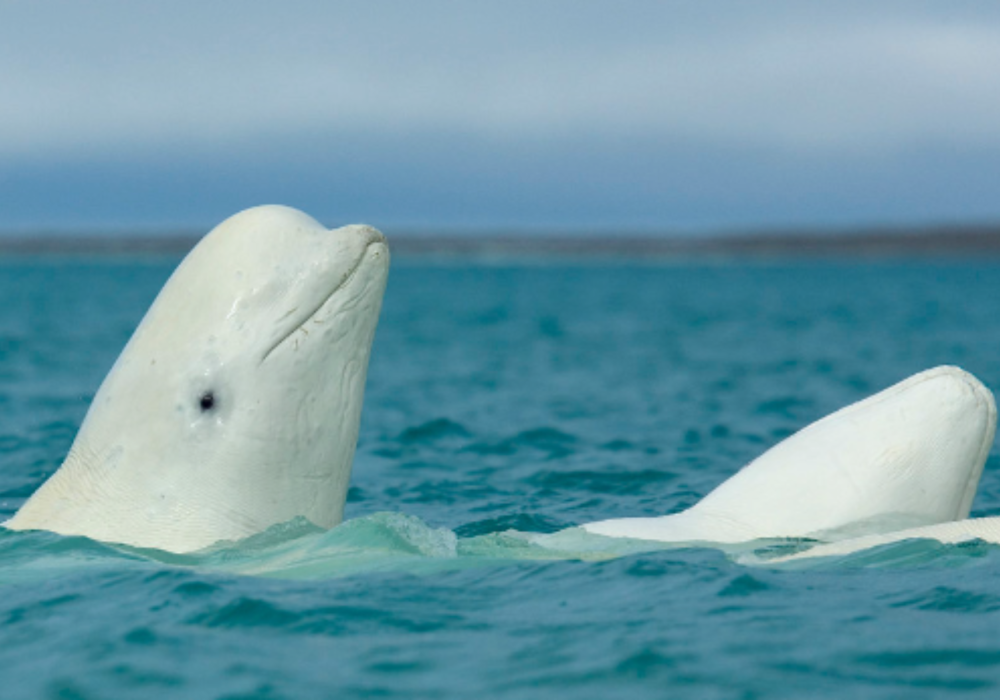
(910, 455)
(236, 403)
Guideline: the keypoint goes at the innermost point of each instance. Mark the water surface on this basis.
(525, 397)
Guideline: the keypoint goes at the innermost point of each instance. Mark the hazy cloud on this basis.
(833, 84)
(90, 75)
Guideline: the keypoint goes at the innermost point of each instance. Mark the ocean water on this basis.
(514, 397)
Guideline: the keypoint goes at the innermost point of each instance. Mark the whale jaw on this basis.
(908, 456)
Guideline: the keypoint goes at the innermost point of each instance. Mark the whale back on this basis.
(982, 529)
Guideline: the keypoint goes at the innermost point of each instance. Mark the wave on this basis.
(393, 542)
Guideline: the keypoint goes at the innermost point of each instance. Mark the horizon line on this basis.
(954, 240)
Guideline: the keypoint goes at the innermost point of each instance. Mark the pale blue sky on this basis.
(677, 116)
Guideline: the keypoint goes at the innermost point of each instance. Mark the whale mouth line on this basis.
(315, 310)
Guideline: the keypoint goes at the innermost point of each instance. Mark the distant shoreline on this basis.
(944, 241)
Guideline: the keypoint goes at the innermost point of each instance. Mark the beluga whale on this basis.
(910, 456)
(236, 403)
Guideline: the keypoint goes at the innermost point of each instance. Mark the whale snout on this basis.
(358, 238)
(372, 251)
(367, 234)
(364, 243)
(951, 393)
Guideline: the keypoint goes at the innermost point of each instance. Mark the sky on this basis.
(446, 116)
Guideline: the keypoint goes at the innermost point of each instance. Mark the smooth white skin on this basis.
(275, 316)
(908, 456)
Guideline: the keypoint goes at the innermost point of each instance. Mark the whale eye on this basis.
(207, 401)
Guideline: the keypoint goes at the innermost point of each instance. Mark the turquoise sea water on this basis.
(526, 398)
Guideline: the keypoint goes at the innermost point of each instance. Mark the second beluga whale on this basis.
(909, 456)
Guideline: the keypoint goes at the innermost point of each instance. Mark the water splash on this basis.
(393, 542)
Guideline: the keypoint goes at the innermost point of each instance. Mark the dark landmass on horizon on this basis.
(943, 241)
